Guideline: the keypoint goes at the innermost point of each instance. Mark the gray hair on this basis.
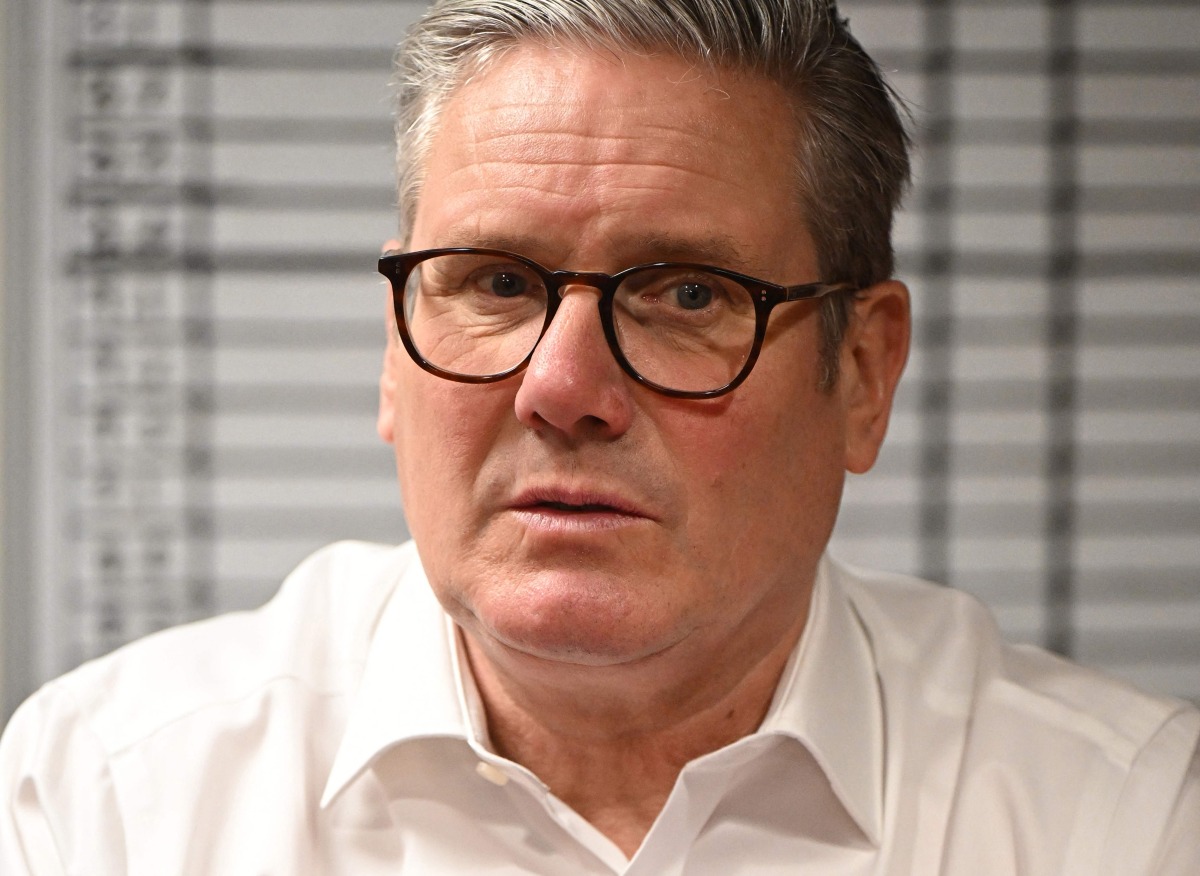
(852, 164)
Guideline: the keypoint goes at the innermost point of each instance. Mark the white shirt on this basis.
(336, 730)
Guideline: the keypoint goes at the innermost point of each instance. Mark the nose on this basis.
(572, 384)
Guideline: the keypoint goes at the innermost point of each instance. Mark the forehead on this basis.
(589, 145)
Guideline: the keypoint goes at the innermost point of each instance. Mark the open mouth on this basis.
(587, 508)
(556, 517)
(562, 507)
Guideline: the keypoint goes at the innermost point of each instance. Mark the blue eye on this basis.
(694, 296)
(508, 285)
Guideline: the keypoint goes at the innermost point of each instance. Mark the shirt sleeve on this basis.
(58, 807)
(1156, 828)
(1179, 854)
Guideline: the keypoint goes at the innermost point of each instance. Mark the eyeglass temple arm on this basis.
(816, 290)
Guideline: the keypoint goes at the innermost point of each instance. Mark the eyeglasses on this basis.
(684, 330)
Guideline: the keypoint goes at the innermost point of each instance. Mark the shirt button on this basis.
(493, 774)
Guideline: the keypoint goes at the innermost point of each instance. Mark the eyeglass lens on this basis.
(479, 315)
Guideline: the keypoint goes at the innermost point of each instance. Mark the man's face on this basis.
(568, 516)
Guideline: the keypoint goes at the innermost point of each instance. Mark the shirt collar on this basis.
(830, 701)
(411, 686)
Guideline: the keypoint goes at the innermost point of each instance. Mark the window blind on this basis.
(215, 181)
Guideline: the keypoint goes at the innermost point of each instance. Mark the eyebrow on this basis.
(716, 249)
(719, 250)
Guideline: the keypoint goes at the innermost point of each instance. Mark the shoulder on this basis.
(1037, 748)
(312, 634)
(221, 726)
(947, 639)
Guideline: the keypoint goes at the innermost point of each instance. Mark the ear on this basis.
(388, 379)
(388, 383)
(873, 357)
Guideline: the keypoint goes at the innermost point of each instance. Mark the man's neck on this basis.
(614, 752)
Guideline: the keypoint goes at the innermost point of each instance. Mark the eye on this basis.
(693, 295)
(507, 284)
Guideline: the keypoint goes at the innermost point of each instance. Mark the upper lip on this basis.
(583, 498)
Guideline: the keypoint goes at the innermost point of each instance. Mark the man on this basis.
(621, 457)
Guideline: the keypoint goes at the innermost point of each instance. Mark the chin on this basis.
(585, 647)
(583, 626)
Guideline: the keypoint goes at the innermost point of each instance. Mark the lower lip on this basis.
(556, 520)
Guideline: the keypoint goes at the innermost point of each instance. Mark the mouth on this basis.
(579, 505)
(585, 508)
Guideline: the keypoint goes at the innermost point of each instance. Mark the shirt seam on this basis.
(116, 750)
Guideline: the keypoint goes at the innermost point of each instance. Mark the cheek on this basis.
(763, 476)
(443, 433)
